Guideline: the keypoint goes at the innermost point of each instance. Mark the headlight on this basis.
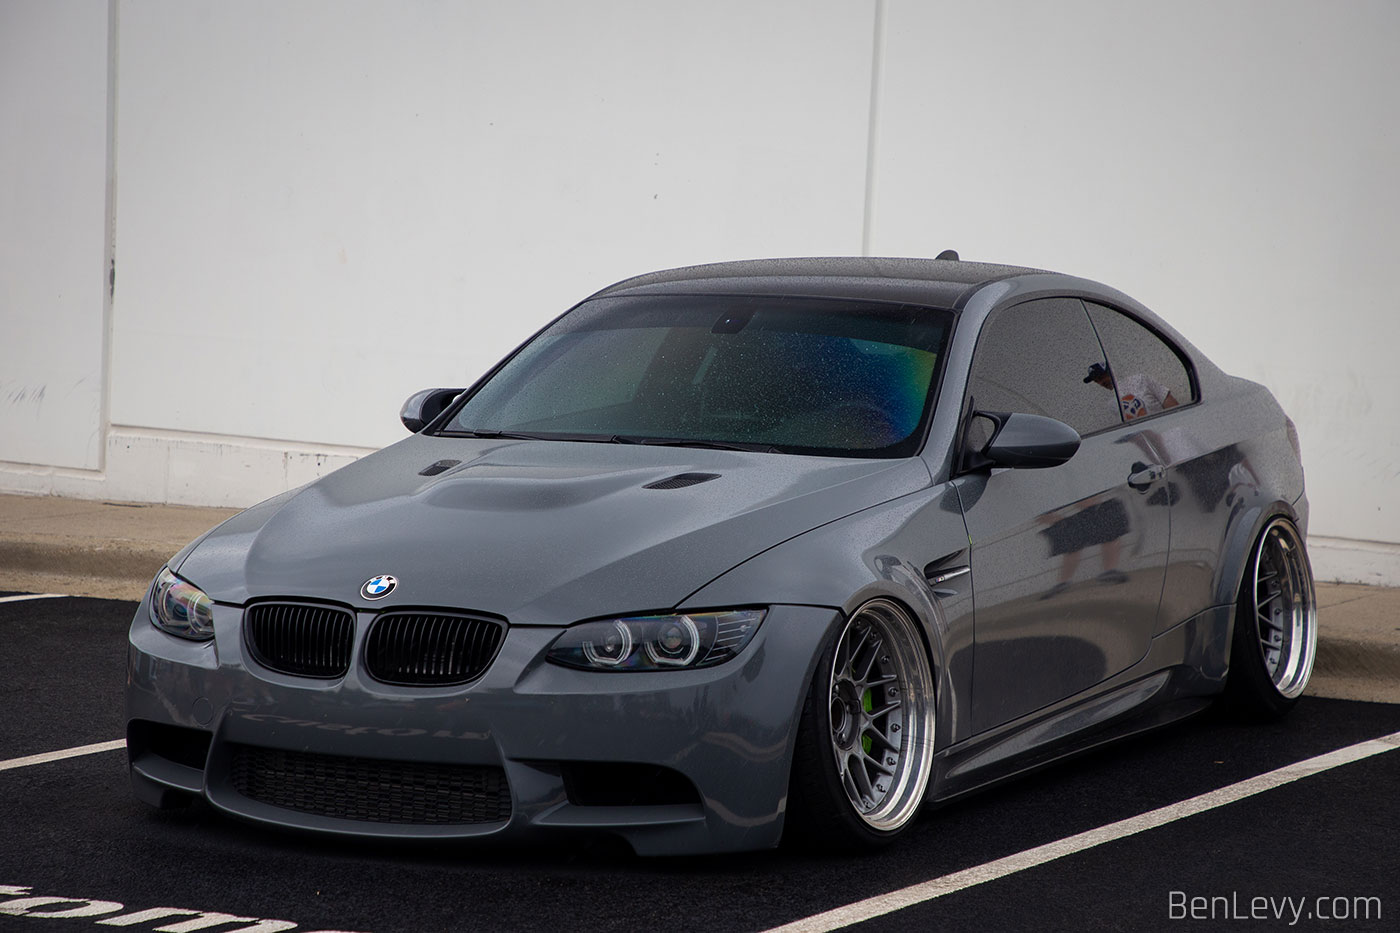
(657, 643)
(181, 608)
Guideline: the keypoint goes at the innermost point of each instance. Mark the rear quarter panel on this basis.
(1231, 468)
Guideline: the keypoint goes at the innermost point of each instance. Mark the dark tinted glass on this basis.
(1034, 358)
(1148, 374)
(808, 375)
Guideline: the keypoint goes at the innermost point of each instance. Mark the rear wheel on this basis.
(865, 741)
(1275, 640)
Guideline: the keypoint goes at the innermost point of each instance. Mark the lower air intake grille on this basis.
(301, 639)
(421, 649)
(371, 790)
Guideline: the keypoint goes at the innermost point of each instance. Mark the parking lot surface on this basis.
(78, 852)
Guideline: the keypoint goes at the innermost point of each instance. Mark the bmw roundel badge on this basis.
(378, 587)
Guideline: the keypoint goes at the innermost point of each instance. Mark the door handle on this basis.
(1146, 477)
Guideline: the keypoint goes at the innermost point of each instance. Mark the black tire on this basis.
(841, 725)
(1275, 633)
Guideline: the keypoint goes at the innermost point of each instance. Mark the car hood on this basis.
(541, 532)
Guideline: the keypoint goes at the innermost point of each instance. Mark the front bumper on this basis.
(729, 730)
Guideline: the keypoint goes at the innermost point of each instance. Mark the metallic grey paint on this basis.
(549, 533)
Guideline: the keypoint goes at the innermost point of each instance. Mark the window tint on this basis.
(562, 382)
(821, 376)
(1035, 358)
(1148, 374)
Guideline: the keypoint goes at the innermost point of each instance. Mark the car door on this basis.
(1067, 562)
(1207, 473)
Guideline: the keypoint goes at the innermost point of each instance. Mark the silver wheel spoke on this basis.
(878, 738)
(849, 782)
(877, 713)
(862, 781)
(855, 652)
(879, 765)
(872, 655)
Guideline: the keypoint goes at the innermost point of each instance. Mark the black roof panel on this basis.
(935, 282)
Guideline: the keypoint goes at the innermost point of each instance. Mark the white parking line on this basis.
(15, 599)
(1000, 868)
(61, 754)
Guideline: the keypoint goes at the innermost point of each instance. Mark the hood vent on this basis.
(441, 466)
(681, 480)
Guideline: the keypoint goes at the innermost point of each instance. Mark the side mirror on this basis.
(1029, 441)
(422, 407)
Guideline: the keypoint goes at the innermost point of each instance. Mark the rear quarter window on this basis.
(1151, 375)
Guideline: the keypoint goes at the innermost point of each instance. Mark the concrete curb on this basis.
(128, 563)
(1351, 658)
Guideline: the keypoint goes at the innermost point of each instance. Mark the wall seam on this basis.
(109, 246)
(877, 48)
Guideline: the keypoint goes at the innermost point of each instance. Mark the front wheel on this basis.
(865, 740)
(1275, 639)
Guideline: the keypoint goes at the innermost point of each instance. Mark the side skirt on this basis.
(1182, 672)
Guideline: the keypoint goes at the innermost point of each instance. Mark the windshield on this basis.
(799, 375)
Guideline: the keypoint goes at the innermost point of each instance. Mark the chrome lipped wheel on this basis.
(1285, 608)
(881, 715)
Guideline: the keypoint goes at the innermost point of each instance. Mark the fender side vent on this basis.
(941, 574)
(681, 480)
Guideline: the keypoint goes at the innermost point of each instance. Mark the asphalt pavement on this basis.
(79, 848)
(78, 851)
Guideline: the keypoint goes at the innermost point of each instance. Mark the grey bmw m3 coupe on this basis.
(739, 550)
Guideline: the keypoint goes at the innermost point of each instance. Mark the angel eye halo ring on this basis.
(679, 641)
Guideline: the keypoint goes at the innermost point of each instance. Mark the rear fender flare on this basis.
(1240, 539)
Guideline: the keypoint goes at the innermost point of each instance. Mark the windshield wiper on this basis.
(511, 435)
(545, 436)
(617, 439)
(681, 442)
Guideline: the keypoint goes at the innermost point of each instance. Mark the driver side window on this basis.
(1034, 358)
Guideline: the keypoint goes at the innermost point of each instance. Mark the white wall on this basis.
(53, 204)
(1231, 165)
(323, 206)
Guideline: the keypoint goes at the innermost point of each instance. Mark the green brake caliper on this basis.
(867, 703)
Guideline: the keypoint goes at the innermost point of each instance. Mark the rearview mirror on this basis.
(1029, 441)
(422, 407)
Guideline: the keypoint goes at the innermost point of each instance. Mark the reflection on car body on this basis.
(734, 551)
